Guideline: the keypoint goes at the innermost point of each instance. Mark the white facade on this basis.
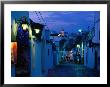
(36, 59)
(92, 55)
(41, 56)
(89, 59)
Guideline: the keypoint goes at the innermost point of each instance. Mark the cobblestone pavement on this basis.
(72, 70)
(65, 70)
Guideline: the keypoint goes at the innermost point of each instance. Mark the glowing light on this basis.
(37, 30)
(78, 46)
(14, 52)
(78, 60)
(59, 35)
(80, 30)
(14, 31)
(24, 26)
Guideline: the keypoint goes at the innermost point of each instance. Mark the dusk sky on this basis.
(70, 21)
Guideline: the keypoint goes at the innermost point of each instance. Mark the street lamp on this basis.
(37, 30)
(78, 46)
(80, 30)
(24, 26)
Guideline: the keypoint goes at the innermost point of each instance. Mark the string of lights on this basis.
(38, 17)
(43, 20)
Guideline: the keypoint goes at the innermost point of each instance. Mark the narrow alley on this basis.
(55, 49)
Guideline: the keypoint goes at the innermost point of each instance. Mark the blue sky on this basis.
(70, 21)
